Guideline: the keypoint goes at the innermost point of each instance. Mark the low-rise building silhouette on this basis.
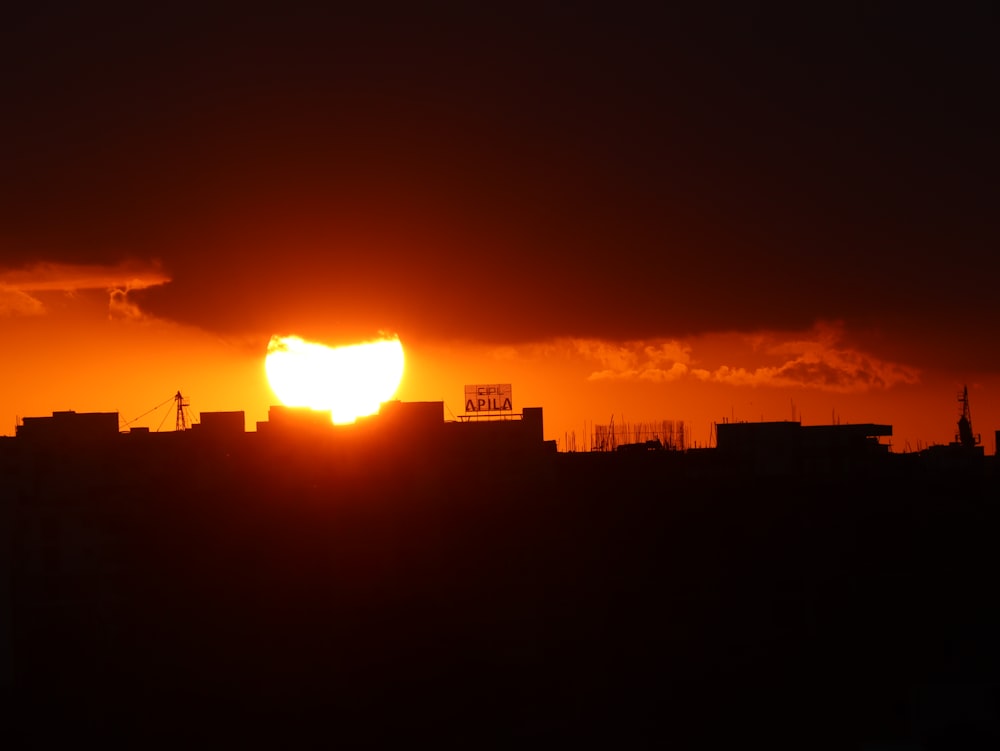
(775, 448)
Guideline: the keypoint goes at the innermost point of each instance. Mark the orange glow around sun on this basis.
(350, 381)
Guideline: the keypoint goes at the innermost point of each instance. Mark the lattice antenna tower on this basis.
(182, 423)
(965, 435)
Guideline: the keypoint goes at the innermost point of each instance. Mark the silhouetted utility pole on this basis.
(181, 419)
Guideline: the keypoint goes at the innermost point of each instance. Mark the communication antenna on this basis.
(965, 435)
(181, 423)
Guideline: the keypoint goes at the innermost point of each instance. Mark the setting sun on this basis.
(350, 381)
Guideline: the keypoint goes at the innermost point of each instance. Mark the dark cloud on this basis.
(620, 174)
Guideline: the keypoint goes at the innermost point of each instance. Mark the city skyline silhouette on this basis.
(668, 333)
(466, 583)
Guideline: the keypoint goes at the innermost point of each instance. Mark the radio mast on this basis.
(966, 437)
(181, 423)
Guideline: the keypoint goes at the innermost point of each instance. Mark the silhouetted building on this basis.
(284, 418)
(775, 448)
(953, 456)
(69, 426)
(222, 423)
(409, 420)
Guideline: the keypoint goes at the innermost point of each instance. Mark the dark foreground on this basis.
(496, 601)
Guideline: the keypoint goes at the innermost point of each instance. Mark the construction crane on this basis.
(965, 436)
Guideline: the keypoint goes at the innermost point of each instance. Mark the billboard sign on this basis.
(494, 397)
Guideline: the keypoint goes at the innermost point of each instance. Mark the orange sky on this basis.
(650, 214)
(80, 351)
